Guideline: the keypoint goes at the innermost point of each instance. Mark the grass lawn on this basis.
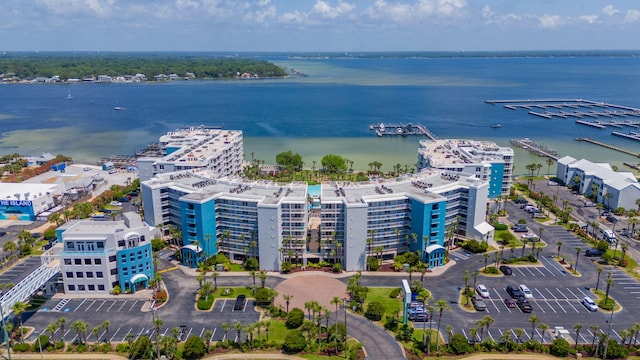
(277, 331)
(205, 303)
(381, 295)
(599, 299)
(234, 292)
(237, 267)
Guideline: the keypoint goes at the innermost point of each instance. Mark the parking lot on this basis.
(128, 322)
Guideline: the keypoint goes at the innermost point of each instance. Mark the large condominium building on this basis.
(100, 255)
(340, 222)
(488, 161)
(220, 152)
(611, 188)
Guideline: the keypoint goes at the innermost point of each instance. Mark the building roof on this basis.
(484, 228)
(8, 191)
(462, 151)
(432, 248)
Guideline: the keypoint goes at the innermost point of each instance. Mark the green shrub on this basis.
(475, 246)
(205, 303)
(295, 318)
(499, 226)
(602, 245)
(337, 268)
(294, 342)
(560, 347)
(24, 347)
(374, 312)
(194, 348)
(122, 347)
(251, 264)
(532, 258)
(490, 270)
(391, 323)
(264, 296)
(394, 293)
(372, 263)
(459, 345)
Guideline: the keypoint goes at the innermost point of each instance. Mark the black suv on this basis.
(514, 292)
(594, 252)
(239, 305)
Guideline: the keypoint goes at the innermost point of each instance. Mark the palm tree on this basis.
(559, 245)
(214, 276)
(575, 269)
(609, 284)
(208, 334)
(442, 306)
(577, 327)
(81, 328)
(18, 308)
(287, 299)
(543, 328)
(598, 281)
(51, 329)
(106, 325)
(475, 275)
(262, 275)
(466, 285)
(60, 324)
(519, 332)
(473, 333)
(534, 321)
(238, 327)
(549, 163)
(594, 330)
(95, 331)
(225, 326)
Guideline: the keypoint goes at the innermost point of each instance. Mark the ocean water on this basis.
(330, 110)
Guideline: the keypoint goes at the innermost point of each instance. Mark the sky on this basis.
(318, 25)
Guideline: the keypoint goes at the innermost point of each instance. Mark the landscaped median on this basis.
(206, 297)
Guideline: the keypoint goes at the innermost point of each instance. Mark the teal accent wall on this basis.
(172, 149)
(495, 183)
(427, 220)
(198, 222)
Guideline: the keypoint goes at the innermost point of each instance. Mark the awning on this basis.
(194, 248)
(432, 248)
(137, 277)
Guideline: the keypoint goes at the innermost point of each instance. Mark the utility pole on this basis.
(346, 348)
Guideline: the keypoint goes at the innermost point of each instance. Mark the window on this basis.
(142, 238)
(112, 258)
(81, 288)
(72, 288)
(99, 274)
(79, 274)
(89, 274)
(100, 287)
(114, 284)
(92, 287)
(121, 243)
(100, 244)
(67, 261)
(77, 261)
(87, 261)
(114, 271)
(125, 272)
(70, 274)
(97, 261)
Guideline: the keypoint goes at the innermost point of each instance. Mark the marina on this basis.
(535, 148)
(619, 149)
(632, 135)
(408, 129)
(577, 108)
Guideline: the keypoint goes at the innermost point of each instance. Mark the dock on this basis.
(633, 135)
(535, 148)
(588, 123)
(408, 129)
(619, 149)
(633, 166)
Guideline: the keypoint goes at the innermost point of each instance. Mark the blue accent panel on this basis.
(134, 261)
(495, 183)
(419, 212)
(428, 220)
(172, 149)
(198, 222)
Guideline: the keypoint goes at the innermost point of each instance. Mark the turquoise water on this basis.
(330, 110)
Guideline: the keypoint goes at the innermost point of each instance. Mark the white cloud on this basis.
(294, 17)
(591, 19)
(423, 9)
(327, 11)
(632, 16)
(70, 7)
(549, 21)
(487, 12)
(610, 10)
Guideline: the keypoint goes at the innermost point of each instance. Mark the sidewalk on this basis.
(434, 272)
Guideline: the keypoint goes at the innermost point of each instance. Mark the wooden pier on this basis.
(408, 129)
(535, 148)
(624, 151)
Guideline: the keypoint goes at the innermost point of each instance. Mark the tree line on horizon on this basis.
(79, 66)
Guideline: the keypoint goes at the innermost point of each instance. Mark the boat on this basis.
(496, 125)
(69, 95)
(119, 108)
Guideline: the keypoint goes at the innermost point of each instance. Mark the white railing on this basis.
(23, 290)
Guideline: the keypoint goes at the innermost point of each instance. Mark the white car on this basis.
(589, 304)
(525, 291)
(482, 291)
(529, 237)
(115, 203)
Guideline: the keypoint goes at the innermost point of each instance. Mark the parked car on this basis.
(612, 219)
(589, 204)
(589, 304)
(183, 332)
(520, 228)
(115, 203)
(514, 292)
(424, 317)
(510, 303)
(478, 303)
(524, 305)
(506, 269)
(594, 252)
(529, 237)
(482, 291)
(240, 300)
(520, 201)
(525, 291)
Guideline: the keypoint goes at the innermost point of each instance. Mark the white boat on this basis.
(119, 108)
(69, 95)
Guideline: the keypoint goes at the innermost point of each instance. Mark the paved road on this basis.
(377, 343)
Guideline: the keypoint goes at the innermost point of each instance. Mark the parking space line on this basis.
(494, 305)
(83, 300)
(574, 295)
(101, 305)
(615, 332)
(582, 292)
(121, 306)
(634, 292)
(139, 334)
(520, 271)
(584, 341)
(201, 332)
(556, 300)
(547, 270)
(213, 334)
(115, 333)
(223, 304)
(114, 302)
(540, 271)
(631, 287)
(189, 333)
(554, 265)
(90, 305)
(134, 304)
(530, 272)
(540, 307)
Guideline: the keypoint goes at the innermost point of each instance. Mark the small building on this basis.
(108, 166)
(59, 167)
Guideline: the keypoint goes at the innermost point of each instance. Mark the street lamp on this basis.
(39, 343)
(4, 329)
(346, 349)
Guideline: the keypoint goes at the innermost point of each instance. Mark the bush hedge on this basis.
(295, 318)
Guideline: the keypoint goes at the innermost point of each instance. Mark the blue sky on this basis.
(318, 25)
